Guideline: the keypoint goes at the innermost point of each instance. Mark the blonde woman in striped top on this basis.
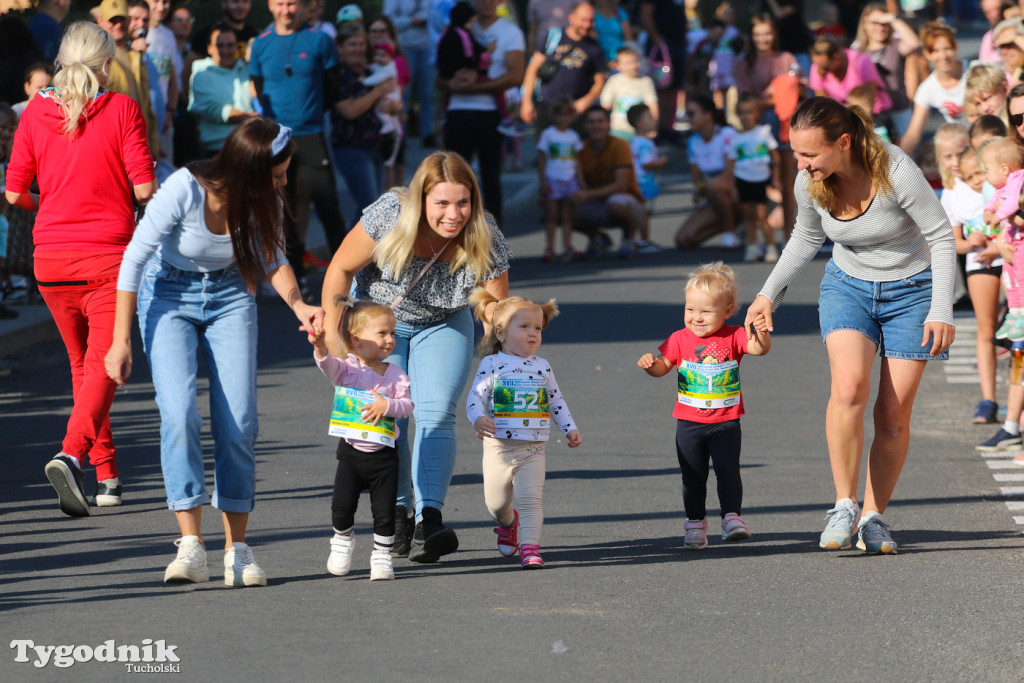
(888, 288)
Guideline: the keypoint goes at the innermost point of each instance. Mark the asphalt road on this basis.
(619, 599)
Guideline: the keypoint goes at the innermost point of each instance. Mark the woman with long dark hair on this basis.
(888, 289)
(86, 146)
(212, 232)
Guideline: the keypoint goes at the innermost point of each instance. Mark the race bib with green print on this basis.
(521, 403)
(977, 224)
(347, 421)
(715, 385)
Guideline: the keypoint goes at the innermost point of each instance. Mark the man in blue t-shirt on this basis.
(289, 66)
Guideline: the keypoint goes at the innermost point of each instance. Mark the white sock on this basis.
(868, 515)
(188, 540)
(1012, 427)
(383, 542)
(78, 463)
(347, 533)
(846, 503)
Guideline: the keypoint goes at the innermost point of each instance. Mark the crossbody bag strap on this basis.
(394, 304)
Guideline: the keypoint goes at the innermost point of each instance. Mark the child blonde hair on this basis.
(984, 79)
(950, 134)
(359, 313)
(717, 281)
(1004, 151)
(480, 299)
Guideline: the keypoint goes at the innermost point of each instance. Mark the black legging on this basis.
(697, 444)
(468, 132)
(358, 471)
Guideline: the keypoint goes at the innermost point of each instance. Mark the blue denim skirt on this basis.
(890, 314)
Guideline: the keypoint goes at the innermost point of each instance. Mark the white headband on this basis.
(284, 136)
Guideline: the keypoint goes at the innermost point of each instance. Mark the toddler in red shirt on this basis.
(709, 404)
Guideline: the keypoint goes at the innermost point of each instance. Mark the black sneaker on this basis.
(404, 526)
(437, 538)
(108, 492)
(418, 551)
(66, 477)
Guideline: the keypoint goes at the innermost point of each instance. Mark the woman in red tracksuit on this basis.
(86, 146)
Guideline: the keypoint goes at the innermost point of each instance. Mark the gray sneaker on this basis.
(874, 534)
(841, 522)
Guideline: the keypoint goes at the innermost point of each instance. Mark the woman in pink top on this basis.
(838, 70)
(86, 146)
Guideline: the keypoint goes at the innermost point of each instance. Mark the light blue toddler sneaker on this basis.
(840, 524)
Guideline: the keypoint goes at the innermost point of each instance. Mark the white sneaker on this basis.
(381, 567)
(240, 568)
(190, 564)
(771, 254)
(340, 561)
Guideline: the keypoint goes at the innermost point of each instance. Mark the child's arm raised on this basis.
(655, 366)
(761, 342)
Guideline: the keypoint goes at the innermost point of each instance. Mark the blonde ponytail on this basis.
(85, 51)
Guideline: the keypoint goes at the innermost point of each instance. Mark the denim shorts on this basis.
(891, 314)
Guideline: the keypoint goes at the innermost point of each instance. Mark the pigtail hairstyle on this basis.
(242, 174)
(866, 148)
(716, 280)
(479, 299)
(85, 51)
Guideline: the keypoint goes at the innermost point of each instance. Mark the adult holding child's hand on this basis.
(888, 287)
(421, 251)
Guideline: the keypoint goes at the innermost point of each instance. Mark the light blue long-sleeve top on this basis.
(214, 92)
(175, 226)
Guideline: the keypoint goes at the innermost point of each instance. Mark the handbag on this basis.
(659, 65)
(551, 64)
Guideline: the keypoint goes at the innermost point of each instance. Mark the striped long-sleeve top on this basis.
(899, 235)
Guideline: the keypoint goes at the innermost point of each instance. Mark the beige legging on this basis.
(514, 479)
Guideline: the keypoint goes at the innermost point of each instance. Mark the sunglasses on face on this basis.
(1016, 120)
(1008, 46)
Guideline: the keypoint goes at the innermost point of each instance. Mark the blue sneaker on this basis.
(986, 412)
(841, 522)
(874, 537)
(1001, 441)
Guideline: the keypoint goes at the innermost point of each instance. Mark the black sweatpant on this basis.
(468, 132)
(697, 444)
(312, 163)
(357, 471)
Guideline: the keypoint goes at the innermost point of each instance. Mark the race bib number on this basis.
(716, 385)
(521, 403)
(347, 421)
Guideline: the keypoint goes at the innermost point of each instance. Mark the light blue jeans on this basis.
(421, 82)
(437, 359)
(179, 311)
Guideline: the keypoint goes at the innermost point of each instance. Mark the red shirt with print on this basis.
(719, 354)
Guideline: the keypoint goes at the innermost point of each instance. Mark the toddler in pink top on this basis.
(370, 393)
(1003, 161)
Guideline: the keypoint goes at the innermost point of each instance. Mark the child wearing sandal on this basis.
(370, 394)
(709, 405)
(511, 404)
